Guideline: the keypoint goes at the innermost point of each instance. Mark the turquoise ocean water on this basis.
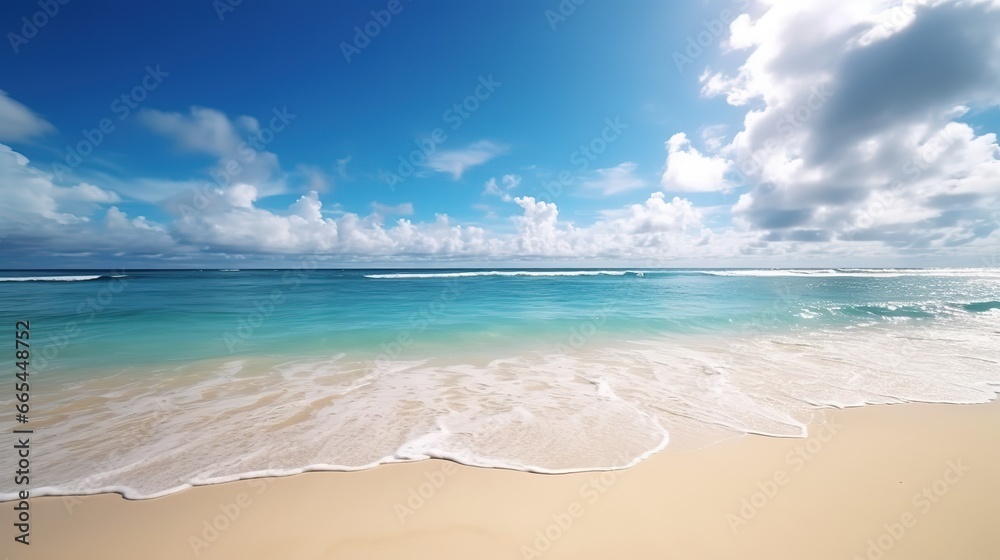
(149, 381)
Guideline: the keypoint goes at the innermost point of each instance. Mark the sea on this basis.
(147, 382)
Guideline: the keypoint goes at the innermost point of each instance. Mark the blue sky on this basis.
(725, 133)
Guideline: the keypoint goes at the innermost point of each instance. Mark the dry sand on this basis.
(914, 481)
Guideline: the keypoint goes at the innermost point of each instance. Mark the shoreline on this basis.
(820, 412)
(750, 496)
(553, 413)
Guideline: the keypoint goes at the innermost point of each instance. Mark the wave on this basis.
(896, 310)
(55, 278)
(859, 272)
(599, 407)
(771, 272)
(980, 306)
(891, 311)
(541, 273)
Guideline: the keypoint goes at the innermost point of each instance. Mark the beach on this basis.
(174, 379)
(845, 413)
(561, 280)
(568, 280)
(907, 481)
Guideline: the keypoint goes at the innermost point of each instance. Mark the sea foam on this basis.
(51, 278)
(859, 272)
(604, 406)
(503, 273)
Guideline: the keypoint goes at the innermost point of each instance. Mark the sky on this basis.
(402, 133)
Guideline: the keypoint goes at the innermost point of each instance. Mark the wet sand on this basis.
(909, 481)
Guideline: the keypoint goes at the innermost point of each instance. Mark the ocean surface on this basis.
(148, 382)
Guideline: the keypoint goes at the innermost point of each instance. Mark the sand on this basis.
(909, 481)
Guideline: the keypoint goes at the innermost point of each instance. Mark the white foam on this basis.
(607, 405)
(49, 278)
(604, 390)
(414, 275)
(860, 272)
(778, 273)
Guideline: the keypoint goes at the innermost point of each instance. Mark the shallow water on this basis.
(191, 377)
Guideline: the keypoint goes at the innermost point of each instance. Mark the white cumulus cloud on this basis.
(688, 170)
(854, 131)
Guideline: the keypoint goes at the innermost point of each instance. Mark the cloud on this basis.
(538, 231)
(29, 193)
(45, 220)
(39, 218)
(502, 188)
(456, 162)
(855, 144)
(311, 178)
(52, 223)
(202, 130)
(404, 209)
(614, 180)
(714, 136)
(687, 170)
(232, 223)
(656, 230)
(487, 211)
(239, 145)
(153, 190)
(342, 167)
(658, 215)
(853, 133)
(18, 123)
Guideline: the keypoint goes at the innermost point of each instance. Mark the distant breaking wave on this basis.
(54, 278)
(773, 272)
(505, 273)
(860, 272)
